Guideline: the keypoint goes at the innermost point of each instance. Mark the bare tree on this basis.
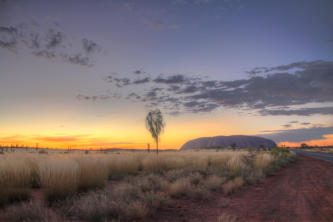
(155, 124)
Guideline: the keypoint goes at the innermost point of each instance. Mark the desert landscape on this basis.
(125, 186)
(166, 111)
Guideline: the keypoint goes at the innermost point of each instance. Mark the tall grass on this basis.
(59, 178)
(15, 178)
(93, 172)
(142, 180)
(122, 165)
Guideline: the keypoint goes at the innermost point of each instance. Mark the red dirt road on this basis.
(301, 192)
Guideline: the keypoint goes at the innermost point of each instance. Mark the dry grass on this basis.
(151, 183)
(15, 178)
(125, 202)
(262, 160)
(161, 163)
(122, 165)
(144, 182)
(93, 172)
(59, 177)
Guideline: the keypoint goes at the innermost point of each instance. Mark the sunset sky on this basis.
(85, 73)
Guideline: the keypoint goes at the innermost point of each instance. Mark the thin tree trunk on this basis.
(157, 145)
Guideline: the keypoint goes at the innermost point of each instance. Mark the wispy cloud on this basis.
(49, 43)
(299, 112)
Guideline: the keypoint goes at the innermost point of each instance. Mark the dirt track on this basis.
(301, 192)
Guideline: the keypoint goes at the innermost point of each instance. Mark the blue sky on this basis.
(82, 59)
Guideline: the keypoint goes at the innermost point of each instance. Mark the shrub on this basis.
(151, 183)
(179, 188)
(213, 182)
(233, 185)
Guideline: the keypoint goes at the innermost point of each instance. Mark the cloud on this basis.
(54, 38)
(8, 37)
(77, 59)
(305, 123)
(134, 96)
(141, 81)
(92, 98)
(295, 121)
(276, 93)
(299, 135)
(44, 54)
(90, 46)
(287, 125)
(120, 82)
(299, 112)
(314, 83)
(174, 79)
(48, 43)
(139, 72)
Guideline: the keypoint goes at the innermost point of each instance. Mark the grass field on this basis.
(126, 185)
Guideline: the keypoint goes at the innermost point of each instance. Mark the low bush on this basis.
(232, 185)
(151, 183)
(180, 188)
(214, 182)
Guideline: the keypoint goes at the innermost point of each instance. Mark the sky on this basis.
(86, 73)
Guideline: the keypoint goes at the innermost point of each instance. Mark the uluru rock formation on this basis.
(226, 141)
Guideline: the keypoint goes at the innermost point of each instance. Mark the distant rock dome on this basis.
(227, 141)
